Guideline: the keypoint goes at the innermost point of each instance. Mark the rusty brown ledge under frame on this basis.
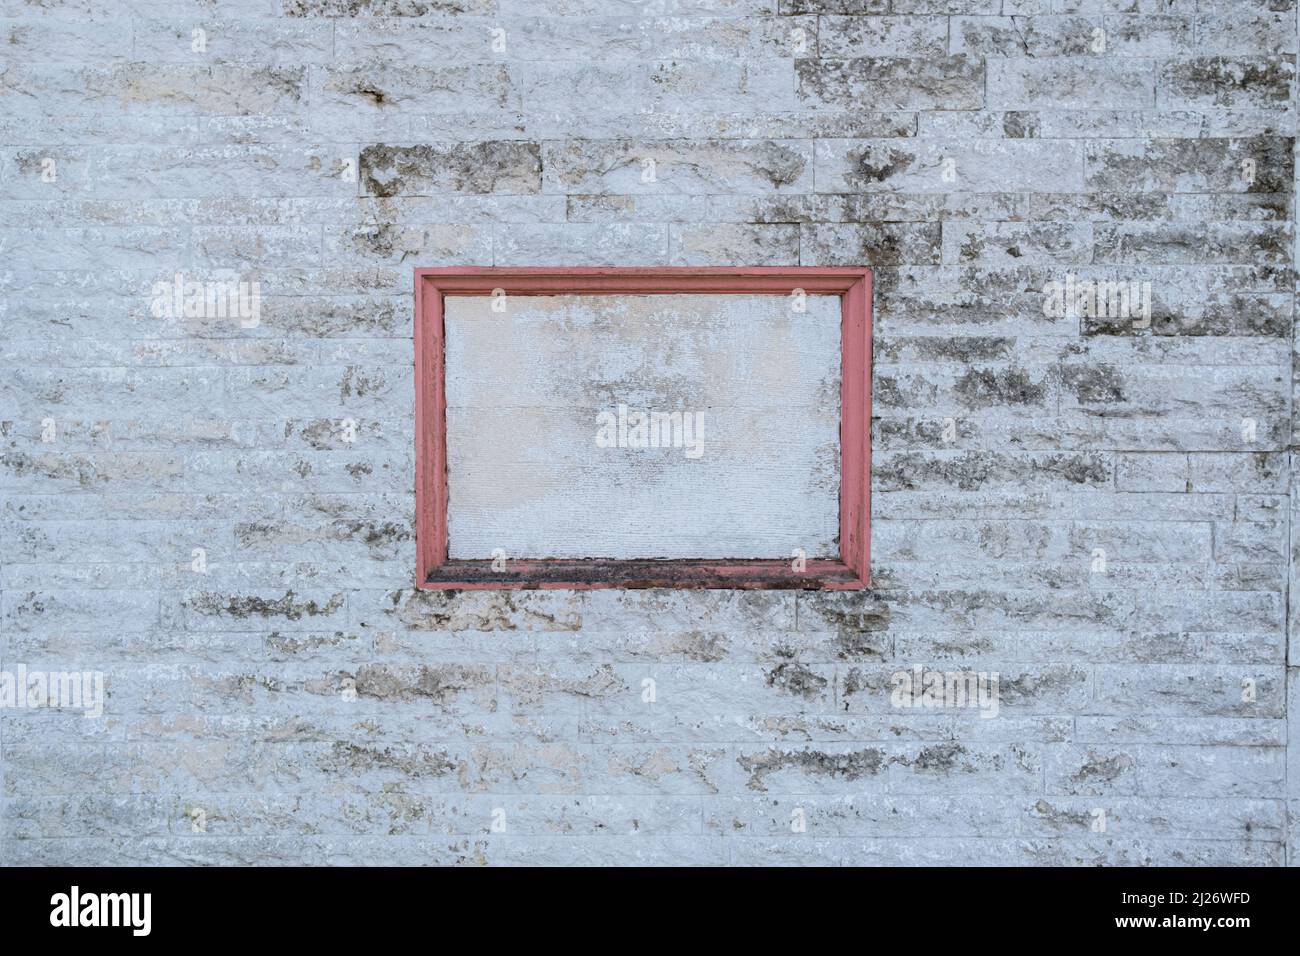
(586, 573)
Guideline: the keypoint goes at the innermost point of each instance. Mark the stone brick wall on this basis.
(217, 514)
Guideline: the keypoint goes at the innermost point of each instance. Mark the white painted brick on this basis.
(325, 149)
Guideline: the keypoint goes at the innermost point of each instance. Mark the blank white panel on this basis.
(528, 467)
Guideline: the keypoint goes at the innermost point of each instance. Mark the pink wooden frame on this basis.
(435, 570)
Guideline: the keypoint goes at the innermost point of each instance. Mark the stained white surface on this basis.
(525, 388)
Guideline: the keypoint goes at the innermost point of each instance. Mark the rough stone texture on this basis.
(299, 702)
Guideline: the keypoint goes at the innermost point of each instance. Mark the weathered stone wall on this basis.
(1094, 507)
